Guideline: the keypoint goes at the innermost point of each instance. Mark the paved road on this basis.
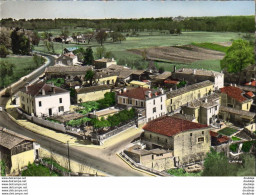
(60, 148)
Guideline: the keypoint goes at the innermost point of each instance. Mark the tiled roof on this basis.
(37, 88)
(233, 92)
(92, 89)
(253, 83)
(249, 93)
(188, 88)
(70, 54)
(164, 75)
(104, 60)
(171, 126)
(136, 93)
(242, 113)
(220, 138)
(201, 72)
(10, 139)
(169, 81)
(67, 69)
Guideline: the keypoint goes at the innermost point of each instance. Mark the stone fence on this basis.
(133, 163)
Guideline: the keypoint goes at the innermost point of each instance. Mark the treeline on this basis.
(218, 24)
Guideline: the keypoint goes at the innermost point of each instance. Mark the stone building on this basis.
(68, 59)
(205, 110)
(184, 95)
(41, 99)
(198, 75)
(189, 141)
(140, 84)
(152, 100)
(67, 72)
(157, 159)
(234, 97)
(104, 63)
(16, 150)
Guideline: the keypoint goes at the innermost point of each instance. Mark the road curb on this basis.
(135, 168)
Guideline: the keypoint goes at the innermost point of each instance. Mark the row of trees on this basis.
(220, 24)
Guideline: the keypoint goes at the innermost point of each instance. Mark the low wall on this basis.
(75, 167)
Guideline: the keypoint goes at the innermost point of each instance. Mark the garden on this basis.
(227, 131)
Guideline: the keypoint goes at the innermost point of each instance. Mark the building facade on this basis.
(41, 99)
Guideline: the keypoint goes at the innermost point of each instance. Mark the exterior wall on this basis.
(251, 127)
(92, 96)
(27, 102)
(107, 80)
(162, 141)
(130, 101)
(21, 160)
(230, 102)
(157, 109)
(158, 162)
(175, 102)
(219, 82)
(192, 112)
(52, 102)
(139, 84)
(74, 166)
(235, 118)
(187, 148)
(209, 115)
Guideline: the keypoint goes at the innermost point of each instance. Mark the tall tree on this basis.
(100, 52)
(6, 69)
(239, 56)
(88, 56)
(20, 43)
(101, 37)
(3, 51)
(35, 38)
(89, 76)
(5, 38)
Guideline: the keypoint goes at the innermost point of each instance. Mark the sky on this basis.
(122, 9)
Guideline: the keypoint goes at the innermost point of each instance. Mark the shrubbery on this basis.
(38, 170)
(57, 81)
(78, 122)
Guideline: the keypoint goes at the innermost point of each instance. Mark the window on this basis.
(154, 102)
(157, 138)
(216, 107)
(200, 139)
(124, 100)
(210, 110)
(150, 136)
(136, 103)
(60, 100)
(154, 109)
(247, 106)
(40, 103)
(171, 101)
(22, 98)
(166, 141)
(202, 132)
(190, 134)
(141, 104)
(161, 107)
(161, 99)
(61, 108)
(130, 101)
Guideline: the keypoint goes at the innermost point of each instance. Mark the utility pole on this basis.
(68, 159)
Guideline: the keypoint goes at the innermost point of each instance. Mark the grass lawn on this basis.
(38, 170)
(182, 172)
(234, 138)
(212, 46)
(227, 131)
(23, 66)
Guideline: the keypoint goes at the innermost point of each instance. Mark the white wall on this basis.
(52, 101)
(219, 81)
(150, 105)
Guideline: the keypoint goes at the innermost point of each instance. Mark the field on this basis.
(146, 40)
(23, 66)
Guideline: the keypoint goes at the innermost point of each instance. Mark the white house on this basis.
(68, 59)
(41, 99)
(152, 100)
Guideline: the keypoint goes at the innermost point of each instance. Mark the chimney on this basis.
(231, 84)
(235, 85)
(206, 100)
(194, 71)
(120, 91)
(43, 92)
(174, 68)
(125, 90)
(155, 93)
(170, 89)
(53, 89)
(113, 60)
(26, 88)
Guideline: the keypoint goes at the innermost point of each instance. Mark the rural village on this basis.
(85, 111)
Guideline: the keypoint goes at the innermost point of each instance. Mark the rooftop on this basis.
(105, 60)
(92, 89)
(200, 72)
(105, 112)
(205, 102)
(234, 92)
(163, 76)
(42, 88)
(138, 83)
(10, 139)
(170, 126)
(136, 93)
(67, 69)
(188, 88)
(252, 83)
(243, 113)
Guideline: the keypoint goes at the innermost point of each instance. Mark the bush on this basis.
(247, 146)
(3, 51)
(182, 172)
(233, 147)
(78, 122)
(2, 165)
(55, 164)
(38, 170)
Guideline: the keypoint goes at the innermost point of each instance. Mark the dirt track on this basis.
(181, 54)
